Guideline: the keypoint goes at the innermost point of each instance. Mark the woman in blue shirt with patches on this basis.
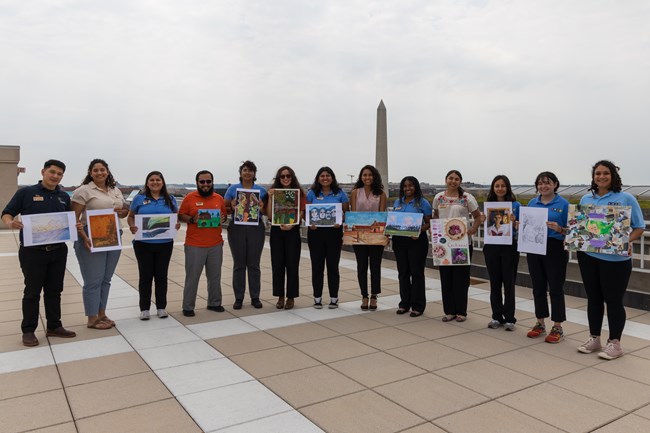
(605, 276)
(325, 242)
(411, 253)
(548, 272)
(153, 255)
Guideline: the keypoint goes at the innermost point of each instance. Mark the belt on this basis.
(50, 247)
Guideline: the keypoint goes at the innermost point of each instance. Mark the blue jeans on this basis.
(96, 270)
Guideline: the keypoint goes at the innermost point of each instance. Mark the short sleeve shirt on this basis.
(454, 207)
(558, 211)
(202, 237)
(330, 197)
(144, 205)
(94, 198)
(413, 206)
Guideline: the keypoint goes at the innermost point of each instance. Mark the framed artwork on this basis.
(498, 223)
(155, 226)
(285, 207)
(533, 231)
(364, 228)
(103, 230)
(208, 218)
(599, 229)
(449, 242)
(403, 223)
(48, 228)
(323, 214)
(247, 210)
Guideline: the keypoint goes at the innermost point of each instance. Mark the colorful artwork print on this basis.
(324, 215)
(449, 242)
(286, 207)
(155, 226)
(247, 209)
(208, 218)
(103, 230)
(599, 229)
(403, 224)
(498, 223)
(532, 230)
(364, 228)
(48, 228)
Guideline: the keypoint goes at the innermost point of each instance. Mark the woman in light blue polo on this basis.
(325, 242)
(605, 276)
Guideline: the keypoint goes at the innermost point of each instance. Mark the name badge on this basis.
(146, 201)
(199, 203)
(38, 198)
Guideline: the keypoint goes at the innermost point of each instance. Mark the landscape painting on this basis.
(365, 228)
(103, 230)
(286, 207)
(208, 218)
(403, 224)
(48, 228)
(155, 226)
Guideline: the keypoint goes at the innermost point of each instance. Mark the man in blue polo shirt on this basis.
(43, 266)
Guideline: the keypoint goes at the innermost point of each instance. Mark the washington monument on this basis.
(381, 149)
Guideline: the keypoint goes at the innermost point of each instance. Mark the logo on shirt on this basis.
(556, 209)
(615, 203)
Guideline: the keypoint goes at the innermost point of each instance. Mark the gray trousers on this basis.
(195, 259)
(246, 244)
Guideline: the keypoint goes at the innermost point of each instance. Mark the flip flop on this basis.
(461, 318)
(98, 324)
(105, 319)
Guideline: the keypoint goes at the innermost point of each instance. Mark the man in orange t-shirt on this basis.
(204, 211)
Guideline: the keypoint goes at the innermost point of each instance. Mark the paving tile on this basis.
(567, 350)
(311, 385)
(424, 428)
(201, 376)
(629, 366)
(274, 320)
(274, 361)
(135, 325)
(101, 368)
(628, 424)
(644, 412)
(221, 328)
(430, 329)
(25, 359)
(334, 349)
(30, 381)
(179, 354)
(288, 422)
(302, 333)
(350, 414)
(431, 355)
(351, 324)
(68, 427)
(86, 349)
(389, 318)
(387, 338)
(477, 344)
(161, 337)
(83, 333)
(376, 369)
(245, 343)
(535, 364)
(313, 315)
(18, 413)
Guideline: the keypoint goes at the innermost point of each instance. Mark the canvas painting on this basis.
(532, 230)
(403, 224)
(599, 229)
(208, 218)
(498, 223)
(247, 210)
(449, 242)
(104, 230)
(155, 226)
(364, 228)
(286, 207)
(323, 214)
(48, 228)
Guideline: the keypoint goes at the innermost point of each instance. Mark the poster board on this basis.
(449, 242)
(599, 229)
(498, 225)
(404, 224)
(323, 214)
(103, 230)
(533, 231)
(49, 228)
(155, 226)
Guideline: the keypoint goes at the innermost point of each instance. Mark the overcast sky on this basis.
(513, 87)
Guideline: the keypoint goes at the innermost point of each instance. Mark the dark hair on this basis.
(110, 181)
(617, 183)
(461, 191)
(251, 166)
(163, 190)
(317, 187)
(418, 191)
(549, 176)
(54, 162)
(294, 180)
(196, 178)
(377, 186)
(510, 196)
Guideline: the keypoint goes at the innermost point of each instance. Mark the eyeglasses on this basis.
(285, 176)
(205, 182)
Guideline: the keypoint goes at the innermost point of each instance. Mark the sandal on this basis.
(280, 304)
(373, 302)
(289, 304)
(105, 319)
(364, 303)
(448, 318)
(99, 324)
(402, 311)
(461, 318)
(416, 313)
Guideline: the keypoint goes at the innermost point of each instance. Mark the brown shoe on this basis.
(373, 303)
(29, 339)
(289, 304)
(364, 303)
(280, 304)
(60, 332)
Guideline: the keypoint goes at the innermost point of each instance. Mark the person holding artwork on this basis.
(43, 266)
(246, 242)
(153, 255)
(502, 261)
(286, 244)
(411, 253)
(325, 242)
(548, 271)
(368, 196)
(454, 202)
(605, 276)
(98, 191)
(203, 242)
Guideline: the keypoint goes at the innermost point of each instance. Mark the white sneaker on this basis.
(494, 324)
(591, 345)
(612, 350)
(144, 315)
(162, 313)
(508, 326)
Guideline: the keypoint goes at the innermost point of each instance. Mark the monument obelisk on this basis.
(381, 149)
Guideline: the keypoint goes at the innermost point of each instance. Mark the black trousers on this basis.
(501, 262)
(411, 257)
(153, 264)
(325, 248)
(605, 283)
(285, 259)
(548, 273)
(43, 270)
(454, 285)
(364, 255)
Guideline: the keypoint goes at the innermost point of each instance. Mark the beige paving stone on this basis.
(114, 394)
(14, 304)
(535, 364)
(376, 369)
(84, 333)
(161, 416)
(629, 366)
(387, 338)
(334, 349)
(430, 329)
(12, 342)
(567, 349)
(493, 417)
(11, 316)
(102, 368)
(389, 318)
(34, 411)
(30, 381)
(641, 318)
(424, 428)
(548, 403)
(363, 411)
(301, 333)
(68, 427)
(430, 396)
(644, 412)
(431, 355)
(351, 324)
(245, 343)
(311, 385)
(274, 361)
(10, 328)
(628, 424)
(477, 344)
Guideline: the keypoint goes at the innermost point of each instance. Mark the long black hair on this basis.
(510, 196)
(377, 185)
(548, 175)
(163, 191)
(110, 181)
(295, 184)
(461, 191)
(417, 194)
(317, 187)
(617, 183)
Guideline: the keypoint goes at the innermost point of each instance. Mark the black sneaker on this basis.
(218, 308)
(255, 302)
(238, 304)
(188, 313)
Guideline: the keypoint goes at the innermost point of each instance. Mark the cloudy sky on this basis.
(486, 87)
